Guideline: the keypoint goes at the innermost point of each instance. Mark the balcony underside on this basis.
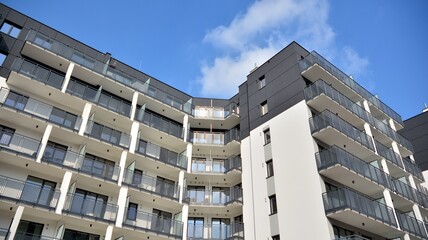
(230, 149)
(215, 123)
(231, 209)
(357, 220)
(232, 177)
(162, 138)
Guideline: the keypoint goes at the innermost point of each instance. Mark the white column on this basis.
(184, 218)
(85, 118)
(386, 193)
(45, 139)
(181, 186)
(366, 105)
(109, 232)
(185, 127)
(134, 105)
(134, 136)
(122, 165)
(189, 150)
(121, 203)
(15, 222)
(67, 77)
(392, 124)
(64, 189)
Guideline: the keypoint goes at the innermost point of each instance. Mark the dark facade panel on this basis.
(416, 130)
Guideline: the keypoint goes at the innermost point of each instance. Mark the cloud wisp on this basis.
(263, 29)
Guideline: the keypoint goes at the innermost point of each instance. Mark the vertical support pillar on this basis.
(122, 165)
(185, 127)
(45, 139)
(85, 118)
(65, 184)
(189, 156)
(134, 136)
(121, 203)
(15, 222)
(67, 77)
(109, 232)
(185, 217)
(134, 105)
(181, 186)
(386, 193)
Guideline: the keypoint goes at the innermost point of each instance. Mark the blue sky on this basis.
(206, 48)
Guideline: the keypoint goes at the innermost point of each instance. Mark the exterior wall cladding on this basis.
(91, 148)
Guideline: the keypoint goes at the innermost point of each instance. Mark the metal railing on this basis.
(388, 154)
(159, 122)
(161, 154)
(315, 58)
(216, 165)
(328, 119)
(19, 191)
(107, 134)
(153, 223)
(19, 144)
(224, 196)
(234, 230)
(40, 110)
(405, 190)
(413, 168)
(90, 207)
(4, 233)
(343, 199)
(215, 112)
(144, 182)
(38, 72)
(31, 236)
(411, 225)
(215, 138)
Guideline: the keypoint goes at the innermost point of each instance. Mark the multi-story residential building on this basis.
(91, 148)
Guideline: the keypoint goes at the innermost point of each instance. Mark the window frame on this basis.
(262, 82)
(269, 168)
(11, 29)
(266, 136)
(273, 206)
(264, 109)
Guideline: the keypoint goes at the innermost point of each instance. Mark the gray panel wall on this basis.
(416, 130)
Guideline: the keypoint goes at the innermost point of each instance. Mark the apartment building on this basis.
(91, 148)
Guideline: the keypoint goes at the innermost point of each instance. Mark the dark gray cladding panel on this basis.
(210, 102)
(16, 18)
(416, 130)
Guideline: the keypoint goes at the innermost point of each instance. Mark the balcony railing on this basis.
(343, 199)
(160, 123)
(216, 165)
(423, 195)
(315, 58)
(216, 197)
(337, 156)
(413, 168)
(388, 154)
(3, 233)
(153, 223)
(213, 138)
(215, 112)
(90, 207)
(19, 144)
(328, 119)
(38, 72)
(411, 225)
(161, 154)
(352, 237)
(41, 110)
(27, 193)
(107, 134)
(151, 184)
(31, 236)
(405, 190)
(234, 230)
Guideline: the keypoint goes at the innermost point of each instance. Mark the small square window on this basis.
(262, 82)
(10, 30)
(266, 134)
(275, 237)
(269, 167)
(273, 206)
(264, 108)
(2, 58)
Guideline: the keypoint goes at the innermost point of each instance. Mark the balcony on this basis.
(38, 73)
(215, 112)
(352, 237)
(31, 236)
(413, 169)
(354, 209)
(218, 166)
(161, 154)
(160, 123)
(326, 126)
(153, 223)
(215, 138)
(340, 165)
(89, 207)
(395, 165)
(404, 190)
(221, 197)
(232, 231)
(21, 192)
(411, 225)
(19, 144)
(311, 66)
(153, 185)
(107, 134)
(39, 110)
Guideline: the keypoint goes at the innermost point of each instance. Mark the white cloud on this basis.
(262, 30)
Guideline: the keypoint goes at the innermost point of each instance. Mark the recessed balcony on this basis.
(91, 208)
(232, 231)
(107, 134)
(393, 160)
(208, 200)
(413, 169)
(411, 225)
(19, 144)
(217, 117)
(216, 143)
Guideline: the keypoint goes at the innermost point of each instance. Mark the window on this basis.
(2, 58)
(220, 228)
(98, 166)
(38, 191)
(195, 228)
(131, 213)
(165, 186)
(137, 177)
(276, 237)
(341, 232)
(89, 204)
(269, 168)
(161, 221)
(6, 135)
(63, 118)
(16, 100)
(264, 108)
(54, 153)
(29, 230)
(262, 82)
(72, 235)
(10, 29)
(273, 206)
(266, 134)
